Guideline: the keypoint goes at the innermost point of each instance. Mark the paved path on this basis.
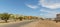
(16, 24)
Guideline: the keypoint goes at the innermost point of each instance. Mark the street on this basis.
(16, 24)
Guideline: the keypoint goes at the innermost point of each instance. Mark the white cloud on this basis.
(43, 10)
(51, 4)
(32, 6)
(49, 13)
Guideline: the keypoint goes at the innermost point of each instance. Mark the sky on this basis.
(43, 8)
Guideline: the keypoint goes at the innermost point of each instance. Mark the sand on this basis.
(42, 23)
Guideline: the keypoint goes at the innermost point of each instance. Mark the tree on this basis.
(5, 16)
(13, 17)
(41, 18)
(20, 18)
(25, 18)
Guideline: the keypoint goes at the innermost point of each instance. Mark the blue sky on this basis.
(44, 8)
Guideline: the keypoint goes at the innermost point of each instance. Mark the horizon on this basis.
(43, 8)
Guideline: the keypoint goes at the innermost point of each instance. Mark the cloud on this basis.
(47, 4)
(52, 4)
(49, 13)
(43, 10)
(32, 6)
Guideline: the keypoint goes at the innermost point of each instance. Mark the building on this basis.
(58, 16)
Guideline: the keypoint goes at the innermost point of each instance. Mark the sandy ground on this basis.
(42, 23)
(47, 23)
